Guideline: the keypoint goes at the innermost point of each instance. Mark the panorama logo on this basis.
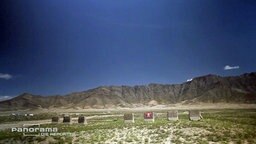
(34, 130)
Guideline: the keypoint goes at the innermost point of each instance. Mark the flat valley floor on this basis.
(217, 126)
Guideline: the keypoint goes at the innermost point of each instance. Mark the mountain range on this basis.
(207, 89)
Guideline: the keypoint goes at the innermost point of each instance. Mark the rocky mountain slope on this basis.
(209, 89)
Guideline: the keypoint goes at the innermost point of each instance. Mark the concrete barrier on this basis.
(149, 117)
(55, 120)
(172, 115)
(129, 118)
(195, 115)
(82, 120)
(67, 119)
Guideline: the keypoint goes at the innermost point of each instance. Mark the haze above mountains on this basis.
(206, 89)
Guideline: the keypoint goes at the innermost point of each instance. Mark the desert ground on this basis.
(220, 124)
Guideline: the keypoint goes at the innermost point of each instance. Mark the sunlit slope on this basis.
(209, 89)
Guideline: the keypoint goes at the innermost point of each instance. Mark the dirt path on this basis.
(9, 125)
(21, 123)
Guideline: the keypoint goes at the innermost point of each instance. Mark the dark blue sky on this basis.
(60, 46)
